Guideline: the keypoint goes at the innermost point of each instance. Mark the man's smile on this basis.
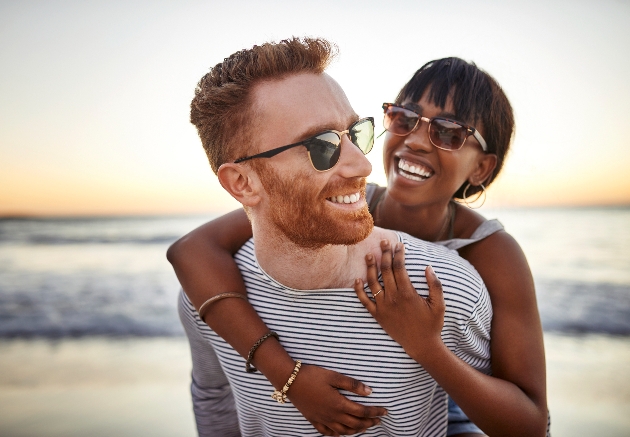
(351, 198)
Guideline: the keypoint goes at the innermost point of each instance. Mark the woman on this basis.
(448, 133)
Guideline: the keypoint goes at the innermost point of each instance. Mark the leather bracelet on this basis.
(204, 306)
(281, 395)
(250, 356)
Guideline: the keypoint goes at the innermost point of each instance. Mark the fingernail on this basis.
(385, 242)
(368, 390)
(369, 257)
(398, 247)
(431, 270)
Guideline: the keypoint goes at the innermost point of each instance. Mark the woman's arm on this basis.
(204, 265)
(498, 406)
(517, 348)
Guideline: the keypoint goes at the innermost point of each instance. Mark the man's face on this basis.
(302, 202)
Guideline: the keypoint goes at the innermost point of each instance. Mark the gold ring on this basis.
(376, 294)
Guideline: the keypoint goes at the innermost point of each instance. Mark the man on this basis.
(285, 142)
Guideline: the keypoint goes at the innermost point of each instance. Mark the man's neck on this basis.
(331, 266)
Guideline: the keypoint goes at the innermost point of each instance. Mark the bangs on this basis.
(464, 82)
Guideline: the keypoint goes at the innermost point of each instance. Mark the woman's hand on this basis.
(412, 321)
(315, 393)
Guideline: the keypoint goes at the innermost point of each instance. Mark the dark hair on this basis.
(221, 109)
(477, 98)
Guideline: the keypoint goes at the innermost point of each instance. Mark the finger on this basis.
(400, 270)
(363, 298)
(372, 274)
(347, 383)
(358, 425)
(324, 430)
(365, 411)
(436, 293)
(342, 429)
(386, 267)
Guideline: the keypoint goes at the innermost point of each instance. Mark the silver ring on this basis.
(376, 294)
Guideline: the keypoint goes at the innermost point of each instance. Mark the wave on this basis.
(145, 306)
(78, 231)
(584, 307)
(109, 277)
(119, 328)
(91, 239)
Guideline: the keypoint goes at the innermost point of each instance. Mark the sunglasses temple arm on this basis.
(381, 134)
(481, 141)
(270, 153)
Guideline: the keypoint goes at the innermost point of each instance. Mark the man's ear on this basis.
(241, 182)
(486, 164)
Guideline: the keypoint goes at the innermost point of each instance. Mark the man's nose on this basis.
(352, 162)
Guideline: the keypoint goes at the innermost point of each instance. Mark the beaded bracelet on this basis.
(281, 395)
(250, 356)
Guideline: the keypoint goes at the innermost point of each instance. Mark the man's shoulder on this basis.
(426, 248)
(246, 251)
(448, 265)
(245, 258)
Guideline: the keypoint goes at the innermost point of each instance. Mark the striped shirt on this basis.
(331, 328)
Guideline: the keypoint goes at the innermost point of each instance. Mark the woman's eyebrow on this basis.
(419, 109)
(448, 115)
(413, 107)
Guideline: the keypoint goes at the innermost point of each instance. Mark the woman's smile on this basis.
(414, 171)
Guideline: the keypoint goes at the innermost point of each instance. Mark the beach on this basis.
(91, 344)
(133, 387)
(95, 387)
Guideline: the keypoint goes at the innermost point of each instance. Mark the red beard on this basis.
(300, 211)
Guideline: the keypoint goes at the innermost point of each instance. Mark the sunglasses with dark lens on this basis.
(324, 148)
(444, 134)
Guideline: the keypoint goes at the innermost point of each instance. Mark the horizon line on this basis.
(27, 215)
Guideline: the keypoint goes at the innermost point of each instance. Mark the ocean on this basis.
(81, 277)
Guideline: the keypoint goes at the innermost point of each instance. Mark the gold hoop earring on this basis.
(469, 204)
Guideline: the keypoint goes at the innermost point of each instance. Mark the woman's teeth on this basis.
(352, 198)
(415, 172)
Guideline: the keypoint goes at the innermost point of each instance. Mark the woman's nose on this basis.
(418, 140)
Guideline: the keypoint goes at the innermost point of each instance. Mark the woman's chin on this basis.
(405, 196)
(410, 192)
(406, 183)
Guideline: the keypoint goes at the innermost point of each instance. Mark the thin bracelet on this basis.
(250, 356)
(204, 306)
(281, 395)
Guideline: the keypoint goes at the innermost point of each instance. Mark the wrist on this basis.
(430, 352)
(274, 362)
(281, 395)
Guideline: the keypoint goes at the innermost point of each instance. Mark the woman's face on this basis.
(418, 173)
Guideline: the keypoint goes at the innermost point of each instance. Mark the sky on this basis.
(95, 95)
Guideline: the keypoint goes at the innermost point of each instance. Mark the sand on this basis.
(95, 387)
(588, 385)
(136, 387)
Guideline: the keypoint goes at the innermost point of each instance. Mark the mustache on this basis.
(345, 186)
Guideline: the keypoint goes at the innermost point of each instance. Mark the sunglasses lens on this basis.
(446, 134)
(324, 150)
(362, 135)
(400, 121)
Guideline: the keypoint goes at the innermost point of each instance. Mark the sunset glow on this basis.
(95, 96)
